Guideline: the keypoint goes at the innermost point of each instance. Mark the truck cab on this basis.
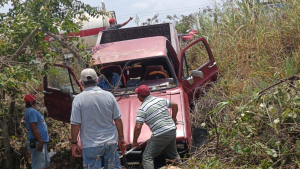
(148, 55)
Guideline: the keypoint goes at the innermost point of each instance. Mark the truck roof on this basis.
(129, 49)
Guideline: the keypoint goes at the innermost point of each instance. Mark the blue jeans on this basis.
(93, 157)
(39, 160)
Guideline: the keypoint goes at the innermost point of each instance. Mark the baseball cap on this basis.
(142, 90)
(112, 20)
(88, 74)
(29, 98)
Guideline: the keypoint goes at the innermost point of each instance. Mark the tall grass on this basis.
(250, 42)
(254, 47)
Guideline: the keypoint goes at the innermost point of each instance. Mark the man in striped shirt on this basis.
(154, 112)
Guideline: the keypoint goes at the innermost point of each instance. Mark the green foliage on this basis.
(253, 48)
(185, 23)
(24, 73)
(18, 23)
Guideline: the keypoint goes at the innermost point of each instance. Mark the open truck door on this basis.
(60, 88)
(197, 67)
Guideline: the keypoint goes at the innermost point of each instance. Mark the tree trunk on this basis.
(9, 162)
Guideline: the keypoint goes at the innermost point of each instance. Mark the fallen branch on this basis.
(172, 161)
(294, 77)
(18, 52)
(64, 44)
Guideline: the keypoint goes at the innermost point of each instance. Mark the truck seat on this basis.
(134, 72)
(116, 69)
(155, 69)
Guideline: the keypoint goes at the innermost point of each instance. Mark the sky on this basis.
(147, 8)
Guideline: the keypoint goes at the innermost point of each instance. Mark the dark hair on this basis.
(108, 74)
(90, 83)
(30, 104)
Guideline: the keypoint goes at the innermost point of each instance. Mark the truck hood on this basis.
(129, 106)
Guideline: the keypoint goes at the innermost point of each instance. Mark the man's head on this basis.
(112, 21)
(142, 91)
(108, 75)
(89, 78)
(30, 101)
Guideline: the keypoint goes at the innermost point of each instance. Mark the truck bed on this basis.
(166, 29)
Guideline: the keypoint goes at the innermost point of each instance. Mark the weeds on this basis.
(255, 45)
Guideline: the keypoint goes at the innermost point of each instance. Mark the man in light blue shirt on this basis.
(37, 137)
(96, 114)
(112, 78)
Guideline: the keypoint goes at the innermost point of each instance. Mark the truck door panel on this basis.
(197, 57)
(60, 87)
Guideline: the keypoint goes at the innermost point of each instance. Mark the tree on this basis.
(185, 23)
(182, 24)
(150, 21)
(22, 33)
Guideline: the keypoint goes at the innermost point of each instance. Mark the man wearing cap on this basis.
(37, 136)
(93, 113)
(113, 24)
(154, 112)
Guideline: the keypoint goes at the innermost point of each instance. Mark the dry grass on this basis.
(252, 52)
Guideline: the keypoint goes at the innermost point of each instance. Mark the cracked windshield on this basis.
(156, 73)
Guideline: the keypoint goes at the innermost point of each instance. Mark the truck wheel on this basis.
(199, 136)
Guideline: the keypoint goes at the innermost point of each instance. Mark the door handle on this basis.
(47, 92)
(214, 64)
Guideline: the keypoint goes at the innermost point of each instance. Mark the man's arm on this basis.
(76, 150)
(37, 135)
(125, 23)
(119, 125)
(74, 132)
(136, 134)
(174, 107)
(122, 143)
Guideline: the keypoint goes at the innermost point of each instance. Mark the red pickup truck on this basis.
(147, 55)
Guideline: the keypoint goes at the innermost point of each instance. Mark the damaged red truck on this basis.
(147, 55)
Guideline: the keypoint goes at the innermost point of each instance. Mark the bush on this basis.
(255, 45)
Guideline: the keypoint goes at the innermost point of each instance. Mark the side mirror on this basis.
(64, 90)
(197, 73)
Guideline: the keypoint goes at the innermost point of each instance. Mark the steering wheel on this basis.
(157, 75)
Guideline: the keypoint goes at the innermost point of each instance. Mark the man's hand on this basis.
(76, 150)
(174, 107)
(136, 134)
(135, 145)
(122, 144)
(125, 23)
(40, 147)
